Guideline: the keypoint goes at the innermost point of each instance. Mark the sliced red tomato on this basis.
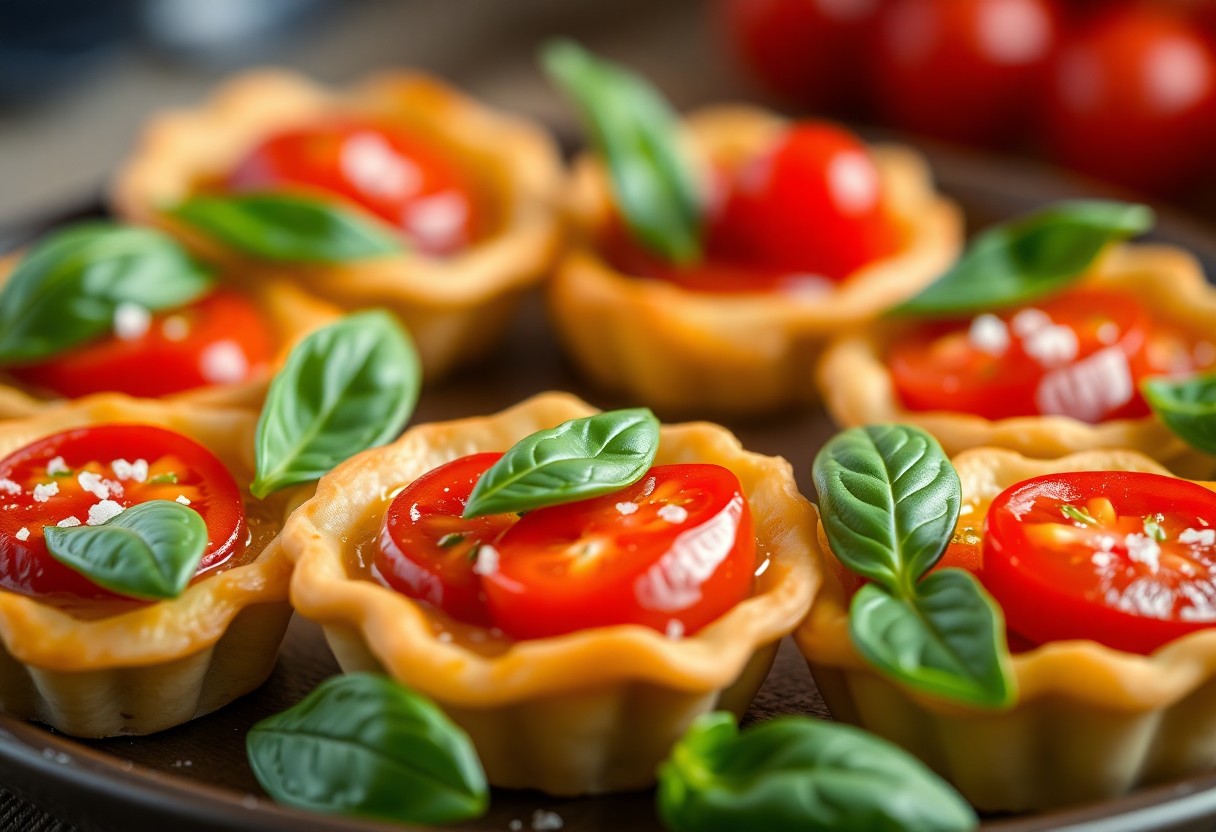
(1079, 354)
(428, 551)
(221, 339)
(394, 174)
(672, 552)
(84, 476)
(1125, 559)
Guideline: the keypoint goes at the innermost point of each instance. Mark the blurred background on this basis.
(1124, 92)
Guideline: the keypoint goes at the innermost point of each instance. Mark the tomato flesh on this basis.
(381, 168)
(1080, 354)
(1126, 559)
(72, 478)
(221, 339)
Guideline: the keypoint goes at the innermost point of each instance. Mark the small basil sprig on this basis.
(363, 745)
(797, 774)
(66, 290)
(1186, 406)
(890, 500)
(658, 188)
(576, 460)
(345, 388)
(150, 551)
(288, 228)
(1027, 258)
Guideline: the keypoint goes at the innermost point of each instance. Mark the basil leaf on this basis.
(658, 189)
(150, 551)
(1186, 406)
(66, 290)
(345, 388)
(287, 227)
(889, 499)
(576, 460)
(797, 774)
(946, 639)
(363, 745)
(1030, 257)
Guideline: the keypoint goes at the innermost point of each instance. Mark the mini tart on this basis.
(456, 307)
(857, 387)
(289, 313)
(1089, 722)
(592, 711)
(149, 667)
(682, 351)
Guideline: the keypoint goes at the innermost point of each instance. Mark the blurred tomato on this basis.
(963, 70)
(810, 51)
(1132, 98)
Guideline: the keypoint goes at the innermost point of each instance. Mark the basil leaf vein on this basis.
(287, 227)
(658, 189)
(1186, 406)
(798, 773)
(576, 460)
(1029, 257)
(66, 290)
(364, 745)
(345, 388)
(151, 551)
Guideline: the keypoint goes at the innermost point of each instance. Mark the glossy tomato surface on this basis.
(1125, 559)
(1080, 354)
(81, 476)
(221, 339)
(382, 168)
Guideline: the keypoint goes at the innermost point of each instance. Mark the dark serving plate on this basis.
(196, 777)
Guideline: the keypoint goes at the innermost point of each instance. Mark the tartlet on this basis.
(456, 307)
(592, 711)
(1088, 722)
(148, 667)
(680, 350)
(857, 386)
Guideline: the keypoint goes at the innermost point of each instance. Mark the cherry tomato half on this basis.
(1125, 559)
(395, 175)
(221, 339)
(76, 477)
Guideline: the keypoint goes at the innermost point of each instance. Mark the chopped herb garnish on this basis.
(1152, 528)
(169, 478)
(1078, 515)
(450, 540)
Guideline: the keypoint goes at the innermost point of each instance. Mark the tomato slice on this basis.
(428, 551)
(221, 339)
(392, 173)
(672, 552)
(1080, 354)
(1125, 559)
(84, 476)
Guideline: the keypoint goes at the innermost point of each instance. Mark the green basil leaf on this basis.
(1030, 257)
(576, 460)
(947, 639)
(658, 189)
(797, 774)
(150, 551)
(889, 498)
(287, 227)
(67, 289)
(345, 388)
(1186, 406)
(363, 745)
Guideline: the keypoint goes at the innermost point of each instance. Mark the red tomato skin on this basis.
(650, 577)
(1131, 98)
(1037, 606)
(27, 568)
(381, 168)
(967, 71)
(228, 342)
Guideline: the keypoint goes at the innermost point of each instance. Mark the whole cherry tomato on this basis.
(1125, 559)
(963, 70)
(84, 476)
